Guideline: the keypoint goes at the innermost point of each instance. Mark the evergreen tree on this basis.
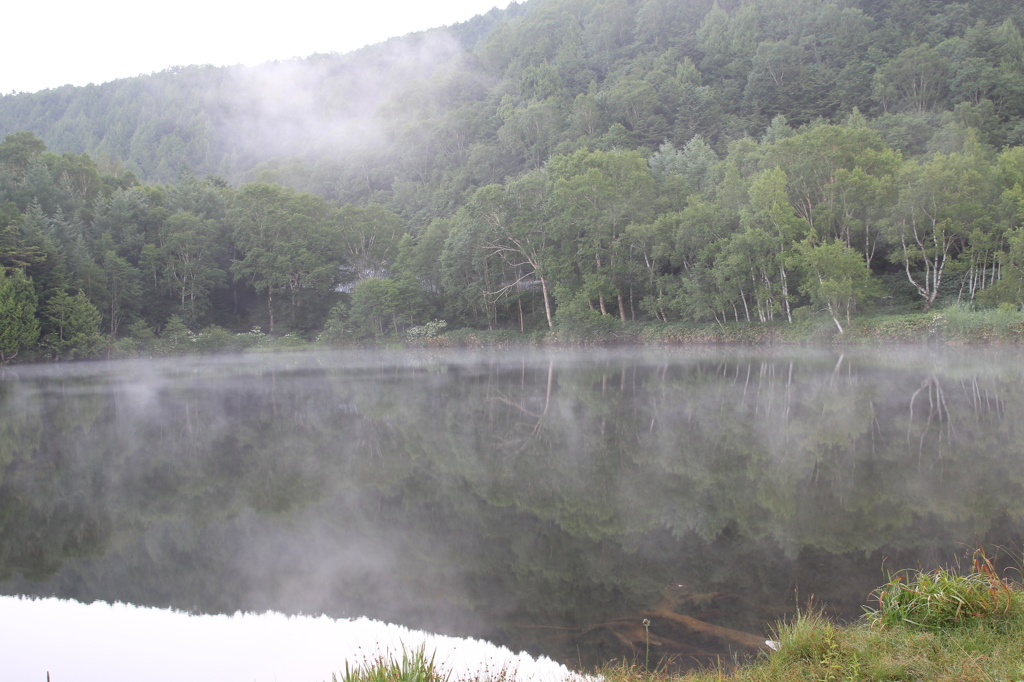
(75, 323)
(19, 328)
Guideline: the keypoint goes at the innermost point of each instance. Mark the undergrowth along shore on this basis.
(954, 326)
(957, 326)
(937, 626)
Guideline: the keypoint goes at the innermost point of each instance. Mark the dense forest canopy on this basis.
(562, 162)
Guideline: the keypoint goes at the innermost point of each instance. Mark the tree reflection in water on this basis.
(544, 501)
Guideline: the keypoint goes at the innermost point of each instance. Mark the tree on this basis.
(635, 104)
(835, 276)
(368, 236)
(839, 179)
(745, 268)
(521, 233)
(19, 328)
(786, 78)
(687, 171)
(941, 202)
(309, 260)
(125, 216)
(260, 218)
(771, 211)
(470, 271)
(189, 257)
(122, 289)
(530, 131)
(76, 177)
(19, 149)
(75, 325)
(596, 196)
(649, 248)
(288, 241)
(175, 336)
(15, 251)
(915, 80)
(379, 304)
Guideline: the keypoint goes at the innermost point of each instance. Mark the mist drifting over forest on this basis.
(557, 167)
(225, 120)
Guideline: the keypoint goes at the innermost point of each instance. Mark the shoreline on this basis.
(944, 328)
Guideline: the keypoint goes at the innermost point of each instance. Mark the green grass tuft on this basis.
(416, 666)
(809, 637)
(942, 599)
(413, 667)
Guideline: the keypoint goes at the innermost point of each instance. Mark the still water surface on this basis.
(547, 502)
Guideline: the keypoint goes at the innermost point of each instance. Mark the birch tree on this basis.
(940, 203)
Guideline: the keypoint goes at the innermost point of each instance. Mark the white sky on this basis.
(49, 44)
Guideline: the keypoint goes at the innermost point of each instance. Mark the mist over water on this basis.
(547, 502)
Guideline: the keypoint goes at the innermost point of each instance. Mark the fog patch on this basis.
(325, 103)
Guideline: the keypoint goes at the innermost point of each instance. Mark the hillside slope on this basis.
(480, 101)
(574, 163)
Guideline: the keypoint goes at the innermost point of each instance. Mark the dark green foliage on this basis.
(544, 77)
(74, 325)
(19, 328)
(385, 307)
(587, 164)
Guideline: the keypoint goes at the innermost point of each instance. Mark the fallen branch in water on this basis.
(735, 636)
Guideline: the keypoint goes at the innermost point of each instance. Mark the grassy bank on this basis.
(938, 626)
(954, 325)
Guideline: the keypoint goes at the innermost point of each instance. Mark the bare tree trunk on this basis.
(270, 306)
(547, 301)
(834, 319)
(785, 295)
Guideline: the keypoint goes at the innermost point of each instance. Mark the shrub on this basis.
(215, 339)
(1004, 323)
(429, 330)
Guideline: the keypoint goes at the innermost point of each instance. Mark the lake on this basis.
(545, 501)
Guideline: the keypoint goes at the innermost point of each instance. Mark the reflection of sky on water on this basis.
(539, 501)
(100, 642)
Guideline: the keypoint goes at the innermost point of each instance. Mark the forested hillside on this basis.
(561, 162)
